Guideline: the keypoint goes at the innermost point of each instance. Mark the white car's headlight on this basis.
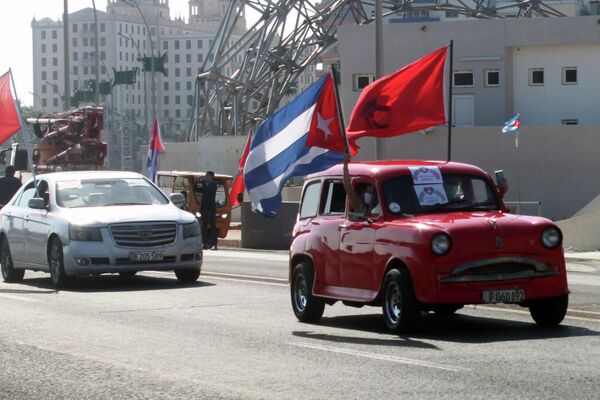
(441, 244)
(191, 230)
(551, 237)
(83, 234)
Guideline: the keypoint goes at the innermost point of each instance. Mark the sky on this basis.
(15, 34)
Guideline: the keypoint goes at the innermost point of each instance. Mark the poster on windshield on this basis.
(429, 185)
(430, 195)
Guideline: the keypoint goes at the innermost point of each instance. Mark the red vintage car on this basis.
(432, 236)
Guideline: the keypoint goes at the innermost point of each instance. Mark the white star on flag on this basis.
(323, 124)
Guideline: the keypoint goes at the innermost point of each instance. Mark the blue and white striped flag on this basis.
(299, 139)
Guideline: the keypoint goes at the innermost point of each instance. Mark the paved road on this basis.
(233, 335)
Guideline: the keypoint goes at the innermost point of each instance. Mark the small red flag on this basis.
(325, 128)
(9, 118)
(406, 101)
(238, 183)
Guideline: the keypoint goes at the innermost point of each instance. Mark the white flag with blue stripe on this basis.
(299, 139)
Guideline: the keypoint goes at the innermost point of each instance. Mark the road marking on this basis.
(382, 357)
(21, 298)
(248, 277)
(508, 310)
(246, 281)
(253, 255)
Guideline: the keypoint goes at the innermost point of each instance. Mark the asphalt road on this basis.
(234, 336)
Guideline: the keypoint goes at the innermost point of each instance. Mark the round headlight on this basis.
(441, 244)
(551, 237)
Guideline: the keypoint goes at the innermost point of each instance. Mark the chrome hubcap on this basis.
(394, 302)
(301, 293)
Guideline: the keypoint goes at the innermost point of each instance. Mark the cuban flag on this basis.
(299, 139)
(512, 125)
(154, 149)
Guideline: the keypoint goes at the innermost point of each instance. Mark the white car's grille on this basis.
(144, 235)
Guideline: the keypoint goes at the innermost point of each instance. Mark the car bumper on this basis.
(92, 258)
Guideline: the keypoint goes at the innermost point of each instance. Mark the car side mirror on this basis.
(178, 200)
(501, 183)
(37, 203)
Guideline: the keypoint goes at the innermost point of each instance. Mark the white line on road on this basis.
(508, 310)
(20, 298)
(245, 255)
(249, 277)
(382, 357)
(245, 281)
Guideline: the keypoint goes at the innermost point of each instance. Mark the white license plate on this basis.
(146, 256)
(503, 296)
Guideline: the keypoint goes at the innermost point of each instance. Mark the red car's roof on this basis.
(395, 167)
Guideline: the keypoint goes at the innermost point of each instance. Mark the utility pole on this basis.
(67, 99)
(96, 49)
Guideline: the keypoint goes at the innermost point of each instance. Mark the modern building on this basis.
(123, 40)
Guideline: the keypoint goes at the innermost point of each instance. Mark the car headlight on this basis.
(191, 230)
(551, 237)
(441, 244)
(83, 234)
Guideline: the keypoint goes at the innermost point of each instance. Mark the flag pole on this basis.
(450, 77)
(338, 104)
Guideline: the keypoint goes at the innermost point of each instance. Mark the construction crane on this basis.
(265, 61)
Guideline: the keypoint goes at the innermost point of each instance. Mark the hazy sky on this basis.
(15, 34)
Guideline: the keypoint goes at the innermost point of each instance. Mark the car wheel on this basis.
(127, 274)
(187, 275)
(59, 278)
(401, 310)
(9, 273)
(307, 307)
(549, 312)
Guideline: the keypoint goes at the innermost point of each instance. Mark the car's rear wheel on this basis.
(187, 275)
(549, 312)
(9, 273)
(307, 307)
(401, 310)
(59, 278)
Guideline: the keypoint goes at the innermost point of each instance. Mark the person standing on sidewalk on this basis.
(208, 211)
(8, 185)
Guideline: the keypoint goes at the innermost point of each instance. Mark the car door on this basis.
(16, 220)
(36, 228)
(357, 235)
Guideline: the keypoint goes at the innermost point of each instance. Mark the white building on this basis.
(123, 40)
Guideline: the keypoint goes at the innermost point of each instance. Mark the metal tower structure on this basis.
(289, 35)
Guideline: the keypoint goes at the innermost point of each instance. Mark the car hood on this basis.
(493, 220)
(97, 216)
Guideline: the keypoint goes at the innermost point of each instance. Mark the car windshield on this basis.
(107, 192)
(458, 192)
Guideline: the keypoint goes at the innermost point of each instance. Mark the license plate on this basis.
(146, 256)
(503, 296)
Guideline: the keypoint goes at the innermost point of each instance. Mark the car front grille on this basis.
(500, 268)
(144, 235)
(127, 261)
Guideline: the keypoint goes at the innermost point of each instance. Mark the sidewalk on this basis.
(234, 237)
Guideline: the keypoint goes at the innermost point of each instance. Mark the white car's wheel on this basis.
(9, 273)
(187, 275)
(59, 278)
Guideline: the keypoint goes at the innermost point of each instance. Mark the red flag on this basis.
(9, 118)
(154, 149)
(238, 183)
(325, 128)
(406, 101)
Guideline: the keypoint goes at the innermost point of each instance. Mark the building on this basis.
(123, 40)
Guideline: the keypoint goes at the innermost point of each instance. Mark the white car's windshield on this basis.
(107, 192)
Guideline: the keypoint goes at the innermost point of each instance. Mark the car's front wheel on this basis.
(59, 278)
(9, 273)
(187, 275)
(549, 312)
(401, 310)
(307, 307)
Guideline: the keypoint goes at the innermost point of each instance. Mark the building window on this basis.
(43, 34)
(188, 85)
(102, 27)
(54, 61)
(76, 70)
(188, 44)
(74, 42)
(536, 76)
(102, 41)
(188, 72)
(492, 77)
(177, 45)
(55, 102)
(44, 103)
(75, 84)
(571, 121)
(75, 56)
(74, 28)
(85, 70)
(166, 85)
(199, 57)
(569, 75)
(43, 48)
(55, 48)
(44, 76)
(177, 73)
(178, 114)
(177, 99)
(43, 61)
(188, 58)
(85, 42)
(55, 75)
(44, 89)
(54, 34)
(176, 58)
(165, 45)
(85, 27)
(166, 100)
(103, 55)
(177, 86)
(451, 14)
(199, 43)
(166, 113)
(361, 81)
(463, 78)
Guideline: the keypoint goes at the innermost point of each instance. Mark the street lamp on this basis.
(133, 3)
(129, 37)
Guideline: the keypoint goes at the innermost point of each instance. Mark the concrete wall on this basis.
(582, 232)
(260, 232)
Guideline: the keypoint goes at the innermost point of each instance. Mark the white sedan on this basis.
(95, 222)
